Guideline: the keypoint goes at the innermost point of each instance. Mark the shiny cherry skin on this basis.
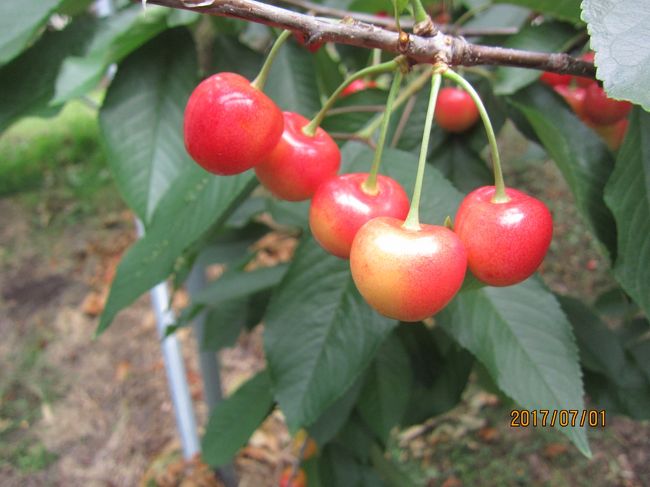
(299, 480)
(340, 207)
(601, 109)
(299, 163)
(407, 275)
(302, 40)
(555, 79)
(505, 242)
(575, 98)
(229, 125)
(358, 85)
(455, 110)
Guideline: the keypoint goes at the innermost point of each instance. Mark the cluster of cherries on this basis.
(591, 104)
(405, 270)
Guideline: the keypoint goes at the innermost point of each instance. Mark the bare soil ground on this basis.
(81, 412)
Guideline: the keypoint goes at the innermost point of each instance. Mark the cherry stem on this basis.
(419, 13)
(410, 89)
(500, 195)
(311, 127)
(369, 186)
(412, 221)
(263, 75)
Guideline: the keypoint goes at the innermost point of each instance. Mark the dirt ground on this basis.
(81, 412)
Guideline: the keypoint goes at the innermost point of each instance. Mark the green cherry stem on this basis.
(263, 75)
(419, 13)
(370, 184)
(412, 221)
(311, 127)
(410, 90)
(500, 195)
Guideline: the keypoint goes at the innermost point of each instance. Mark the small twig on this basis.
(355, 109)
(406, 114)
(389, 22)
(358, 138)
(455, 51)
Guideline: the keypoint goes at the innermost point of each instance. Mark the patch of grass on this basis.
(24, 388)
(57, 165)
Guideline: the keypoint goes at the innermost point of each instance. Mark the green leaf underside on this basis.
(20, 21)
(235, 419)
(142, 119)
(619, 35)
(319, 334)
(628, 196)
(524, 340)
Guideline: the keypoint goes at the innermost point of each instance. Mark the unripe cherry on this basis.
(407, 274)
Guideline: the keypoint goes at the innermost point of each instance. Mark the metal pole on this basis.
(208, 361)
(174, 366)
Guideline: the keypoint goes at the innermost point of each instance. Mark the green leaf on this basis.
(568, 10)
(547, 37)
(387, 388)
(353, 121)
(582, 157)
(224, 322)
(231, 55)
(524, 340)
(338, 468)
(234, 420)
(618, 30)
(328, 425)
(399, 6)
(116, 37)
(496, 16)
(319, 334)
(628, 196)
(291, 83)
(21, 92)
(461, 165)
(614, 380)
(198, 202)
(236, 284)
(441, 370)
(20, 22)
(142, 119)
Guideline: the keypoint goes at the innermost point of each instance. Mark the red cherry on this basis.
(230, 125)
(299, 480)
(555, 79)
(358, 85)
(407, 275)
(299, 163)
(581, 80)
(300, 38)
(505, 242)
(575, 98)
(340, 207)
(455, 110)
(601, 109)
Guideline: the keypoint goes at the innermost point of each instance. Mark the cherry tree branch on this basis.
(455, 51)
(389, 22)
